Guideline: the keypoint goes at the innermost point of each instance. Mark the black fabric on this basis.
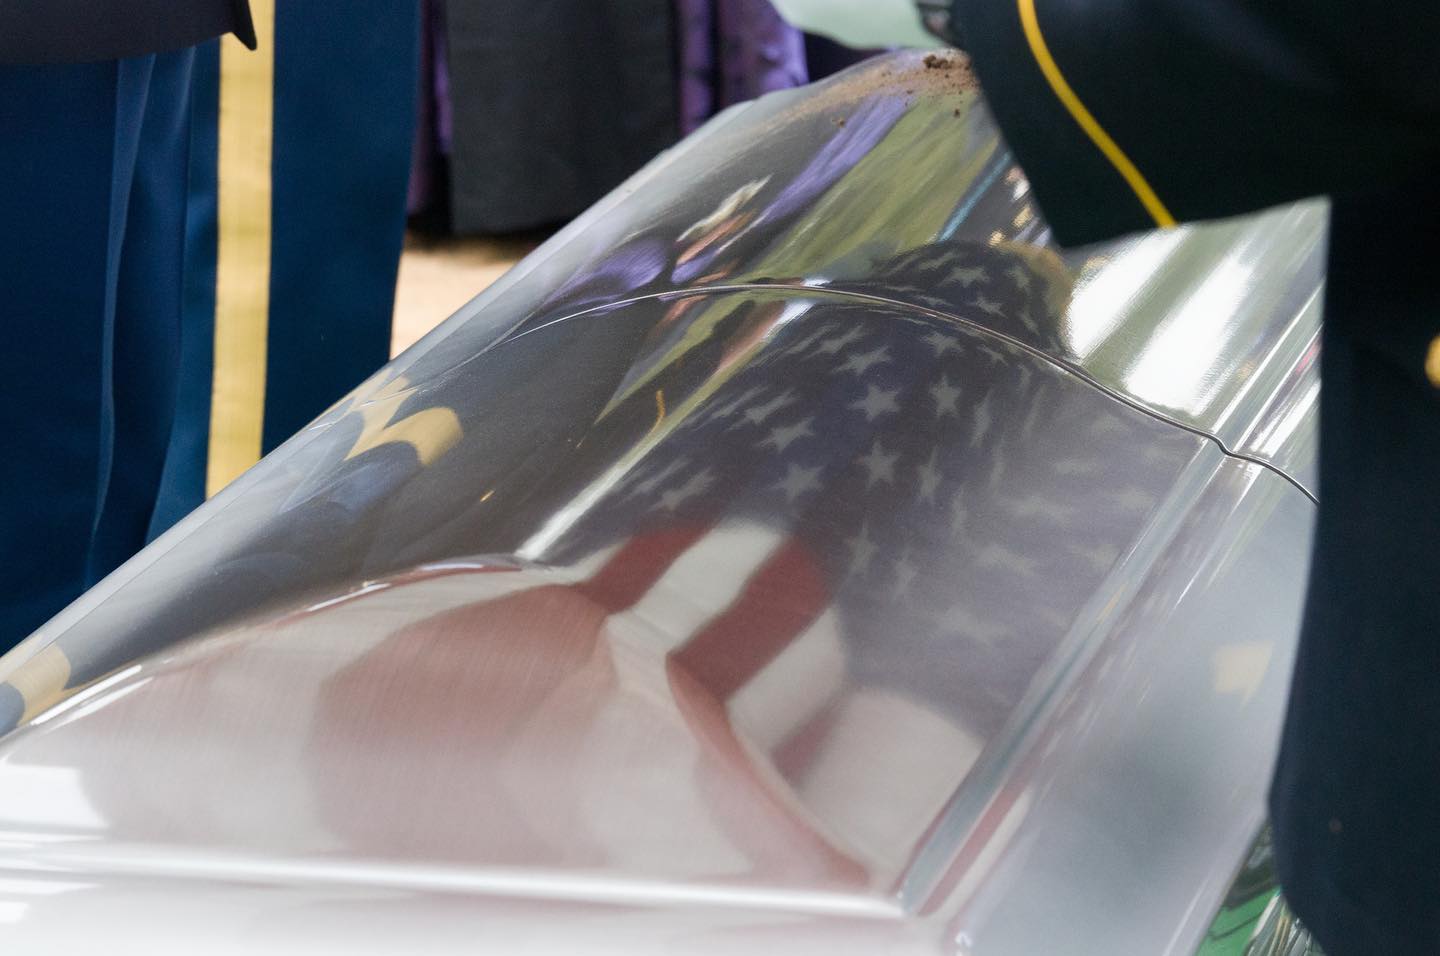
(1357, 788)
(82, 31)
(1222, 109)
(548, 120)
(1226, 107)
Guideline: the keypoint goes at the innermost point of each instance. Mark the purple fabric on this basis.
(434, 118)
(422, 153)
(731, 51)
(440, 70)
(867, 126)
(632, 266)
(695, 24)
(728, 51)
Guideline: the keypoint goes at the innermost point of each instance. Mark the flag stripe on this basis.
(637, 565)
(804, 680)
(780, 601)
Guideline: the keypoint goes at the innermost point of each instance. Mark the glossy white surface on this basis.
(792, 555)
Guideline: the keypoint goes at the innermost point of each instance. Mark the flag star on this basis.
(968, 277)
(946, 397)
(929, 478)
(784, 436)
(756, 414)
(1107, 425)
(1100, 557)
(905, 573)
(1020, 277)
(1058, 619)
(996, 557)
(1075, 467)
(959, 514)
(940, 343)
(1032, 418)
(698, 484)
(989, 306)
(997, 470)
(833, 346)
(994, 355)
(965, 623)
(929, 260)
(879, 465)
(798, 480)
(1041, 507)
(1133, 499)
(982, 422)
(877, 402)
(862, 551)
(659, 478)
(745, 398)
(1028, 320)
(860, 364)
(999, 698)
(808, 342)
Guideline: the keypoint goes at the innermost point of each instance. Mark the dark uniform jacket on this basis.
(76, 31)
(1133, 114)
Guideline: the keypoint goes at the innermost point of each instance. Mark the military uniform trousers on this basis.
(92, 228)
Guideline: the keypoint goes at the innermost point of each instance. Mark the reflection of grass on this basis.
(897, 197)
(902, 191)
(1234, 925)
(1254, 920)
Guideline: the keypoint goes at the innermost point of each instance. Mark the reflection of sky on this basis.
(1176, 369)
(1185, 319)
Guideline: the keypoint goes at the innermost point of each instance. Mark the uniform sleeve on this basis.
(1132, 114)
(83, 31)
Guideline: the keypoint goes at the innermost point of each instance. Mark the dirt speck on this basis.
(934, 61)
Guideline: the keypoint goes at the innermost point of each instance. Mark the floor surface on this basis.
(439, 276)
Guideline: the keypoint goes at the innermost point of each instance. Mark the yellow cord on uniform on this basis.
(1087, 121)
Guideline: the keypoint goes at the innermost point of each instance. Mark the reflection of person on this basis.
(94, 108)
(291, 255)
(1128, 116)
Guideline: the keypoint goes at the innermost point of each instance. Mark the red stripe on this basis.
(779, 835)
(781, 600)
(640, 562)
(796, 754)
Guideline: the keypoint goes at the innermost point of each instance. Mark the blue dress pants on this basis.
(93, 167)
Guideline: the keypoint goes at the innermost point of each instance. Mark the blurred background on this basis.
(520, 126)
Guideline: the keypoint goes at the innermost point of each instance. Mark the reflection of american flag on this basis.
(858, 549)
